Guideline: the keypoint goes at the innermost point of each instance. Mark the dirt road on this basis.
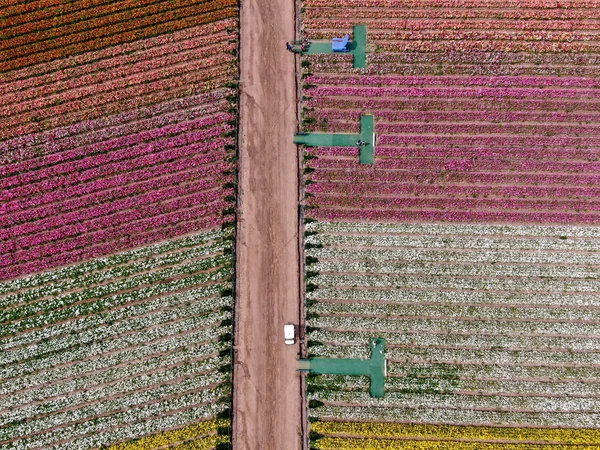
(266, 384)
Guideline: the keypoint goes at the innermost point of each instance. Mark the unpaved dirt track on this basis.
(267, 399)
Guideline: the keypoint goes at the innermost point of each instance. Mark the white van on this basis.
(289, 333)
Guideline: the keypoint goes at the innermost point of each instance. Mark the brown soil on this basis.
(267, 396)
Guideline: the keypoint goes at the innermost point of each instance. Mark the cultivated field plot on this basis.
(43, 30)
(485, 111)
(118, 148)
(120, 347)
(485, 325)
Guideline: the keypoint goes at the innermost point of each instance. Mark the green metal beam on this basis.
(357, 47)
(374, 367)
(365, 152)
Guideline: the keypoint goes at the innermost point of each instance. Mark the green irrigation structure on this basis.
(357, 47)
(375, 367)
(366, 135)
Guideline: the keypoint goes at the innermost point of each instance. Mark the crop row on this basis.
(117, 348)
(199, 436)
(24, 153)
(110, 57)
(104, 31)
(463, 433)
(483, 323)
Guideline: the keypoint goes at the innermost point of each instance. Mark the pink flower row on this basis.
(474, 129)
(106, 216)
(447, 81)
(128, 148)
(379, 174)
(500, 216)
(108, 189)
(394, 115)
(90, 131)
(442, 202)
(482, 164)
(378, 188)
(75, 66)
(53, 150)
(495, 152)
(457, 104)
(322, 19)
(111, 240)
(451, 92)
(539, 141)
(508, 5)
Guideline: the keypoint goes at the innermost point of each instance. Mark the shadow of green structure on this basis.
(375, 367)
(365, 140)
(358, 47)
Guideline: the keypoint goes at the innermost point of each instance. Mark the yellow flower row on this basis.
(168, 438)
(206, 443)
(398, 444)
(384, 430)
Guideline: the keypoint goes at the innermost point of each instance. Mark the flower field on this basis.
(41, 30)
(485, 111)
(486, 325)
(117, 148)
(120, 347)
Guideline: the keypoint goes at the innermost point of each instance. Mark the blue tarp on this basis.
(339, 44)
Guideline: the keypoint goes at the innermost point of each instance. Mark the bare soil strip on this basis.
(267, 401)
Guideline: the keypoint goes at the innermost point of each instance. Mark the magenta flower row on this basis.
(58, 140)
(111, 240)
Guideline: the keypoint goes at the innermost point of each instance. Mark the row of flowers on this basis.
(444, 415)
(38, 150)
(464, 433)
(546, 6)
(60, 70)
(69, 303)
(125, 71)
(480, 63)
(191, 81)
(117, 348)
(52, 282)
(197, 437)
(114, 32)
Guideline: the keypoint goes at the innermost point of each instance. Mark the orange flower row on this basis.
(118, 33)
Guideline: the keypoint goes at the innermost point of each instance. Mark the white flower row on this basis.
(462, 401)
(552, 373)
(565, 299)
(457, 416)
(489, 357)
(98, 350)
(472, 242)
(137, 411)
(444, 268)
(484, 284)
(72, 272)
(457, 229)
(129, 359)
(111, 274)
(127, 389)
(496, 387)
(80, 324)
(136, 320)
(48, 304)
(455, 325)
(86, 386)
(454, 339)
(456, 256)
(464, 311)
